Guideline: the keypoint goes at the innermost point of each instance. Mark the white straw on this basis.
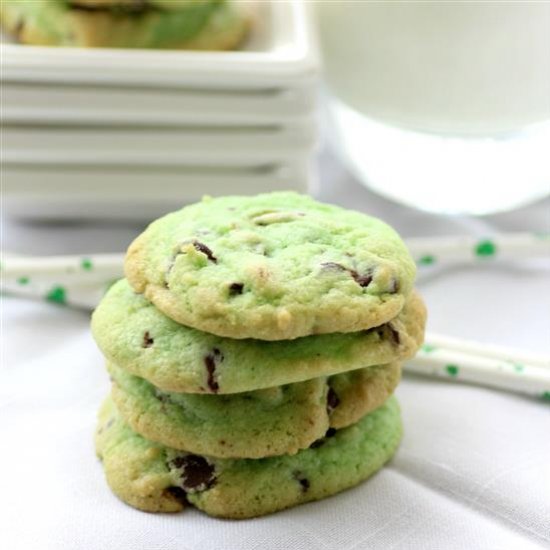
(501, 353)
(491, 366)
(467, 249)
(80, 296)
(85, 267)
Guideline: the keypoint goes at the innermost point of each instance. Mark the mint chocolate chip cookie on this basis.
(137, 337)
(155, 478)
(273, 421)
(275, 266)
(207, 25)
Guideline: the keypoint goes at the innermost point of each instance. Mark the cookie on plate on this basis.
(211, 25)
(155, 478)
(137, 337)
(273, 421)
(275, 266)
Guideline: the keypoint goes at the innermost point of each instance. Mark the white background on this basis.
(473, 470)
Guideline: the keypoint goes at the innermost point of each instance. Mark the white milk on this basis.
(433, 96)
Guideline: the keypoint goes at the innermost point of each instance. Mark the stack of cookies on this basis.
(254, 348)
(189, 24)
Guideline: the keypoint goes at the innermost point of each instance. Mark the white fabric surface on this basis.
(473, 470)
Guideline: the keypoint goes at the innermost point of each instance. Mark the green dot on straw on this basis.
(452, 370)
(428, 348)
(57, 295)
(518, 367)
(546, 396)
(86, 264)
(23, 281)
(426, 260)
(485, 249)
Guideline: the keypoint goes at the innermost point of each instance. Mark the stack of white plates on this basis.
(134, 133)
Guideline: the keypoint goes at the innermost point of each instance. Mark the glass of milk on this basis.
(444, 106)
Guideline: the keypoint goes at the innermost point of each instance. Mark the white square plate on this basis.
(100, 105)
(122, 146)
(280, 52)
(52, 192)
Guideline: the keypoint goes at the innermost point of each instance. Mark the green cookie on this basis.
(269, 422)
(154, 478)
(273, 267)
(137, 337)
(208, 25)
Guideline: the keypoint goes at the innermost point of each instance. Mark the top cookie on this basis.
(276, 266)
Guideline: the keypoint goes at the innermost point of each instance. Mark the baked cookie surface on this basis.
(276, 266)
(269, 422)
(137, 337)
(155, 478)
(208, 25)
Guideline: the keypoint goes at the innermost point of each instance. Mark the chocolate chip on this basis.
(330, 432)
(235, 289)
(394, 334)
(18, 29)
(205, 250)
(332, 400)
(388, 332)
(302, 480)
(362, 280)
(394, 286)
(147, 340)
(176, 493)
(197, 474)
(200, 247)
(318, 442)
(214, 358)
(161, 396)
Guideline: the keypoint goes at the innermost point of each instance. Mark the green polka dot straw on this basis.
(459, 360)
(78, 281)
(434, 251)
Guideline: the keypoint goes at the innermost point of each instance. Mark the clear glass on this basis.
(444, 106)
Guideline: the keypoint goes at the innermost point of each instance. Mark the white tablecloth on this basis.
(473, 470)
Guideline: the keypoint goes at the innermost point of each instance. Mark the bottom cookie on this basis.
(155, 478)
